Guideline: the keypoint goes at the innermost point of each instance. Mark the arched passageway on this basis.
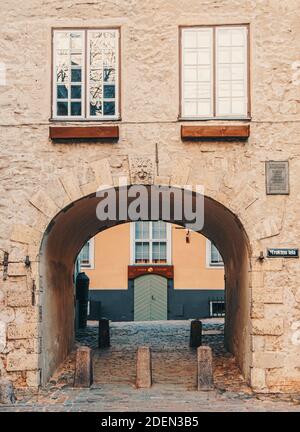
(74, 225)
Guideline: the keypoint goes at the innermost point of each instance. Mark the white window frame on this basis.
(214, 74)
(91, 265)
(85, 80)
(150, 240)
(209, 264)
(196, 29)
(116, 99)
(211, 308)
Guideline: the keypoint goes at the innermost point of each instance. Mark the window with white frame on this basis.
(214, 72)
(86, 74)
(151, 242)
(214, 258)
(86, 255)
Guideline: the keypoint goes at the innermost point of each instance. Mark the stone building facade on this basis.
(47, 201)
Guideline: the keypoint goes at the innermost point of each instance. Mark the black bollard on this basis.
(104, 337)
(196, 334)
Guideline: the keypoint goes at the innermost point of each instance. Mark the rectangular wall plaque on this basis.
(282, 253)
(277, 177)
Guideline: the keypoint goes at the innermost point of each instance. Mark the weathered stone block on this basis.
(258, 343)
(7, 315)
(83, 368)
(267, 327)
(17, 269)
(71, 186)
(22, 331)
(102, 172)
(143, 368)
(89, 188)
(18, 297)
(257, 279)
(25, 234)
(180, 171)
(205, 368)
(162, 181)
(257, 309)
(33, 378)
(258, 379)
(44, 203)
(267, 360)
(268, 296)
(17, 361)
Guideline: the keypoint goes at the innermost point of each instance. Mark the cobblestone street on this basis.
(174, 375)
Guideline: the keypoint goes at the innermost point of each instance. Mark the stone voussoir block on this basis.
(42, 201)
(71, 186)
(25, 234)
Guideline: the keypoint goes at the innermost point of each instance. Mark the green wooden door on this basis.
(150, 298)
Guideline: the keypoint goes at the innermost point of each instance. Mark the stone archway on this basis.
(75, 224)
(249, 283)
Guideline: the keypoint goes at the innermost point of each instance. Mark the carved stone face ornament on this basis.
(141, 170)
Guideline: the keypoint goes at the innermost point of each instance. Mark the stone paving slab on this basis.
(174, 373)
(123, 398)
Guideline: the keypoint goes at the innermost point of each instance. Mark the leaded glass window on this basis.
(86, 74)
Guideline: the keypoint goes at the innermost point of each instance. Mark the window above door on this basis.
(215, 72)
(85, 74)
(151, 243)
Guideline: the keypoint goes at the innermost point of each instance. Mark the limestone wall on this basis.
(38, 177)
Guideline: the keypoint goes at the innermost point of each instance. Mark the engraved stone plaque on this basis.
(277, 178)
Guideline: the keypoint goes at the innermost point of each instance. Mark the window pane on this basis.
(159, 230)
(96, 108)
(76, 60)
(142, 252)
(215, 255)
(76, 108)
(75, 92)
(62, 92)
(76, 41)
(84, 255)
(159, 252)
(68, 62)
(204, 108)
(231, 85)
(141, 230)
(76, 75)
(62, 67)
(102, 70)
(109, 108)
(190, 109)
(190, 39)
(62, 108)
(197, 72)
(109, 91)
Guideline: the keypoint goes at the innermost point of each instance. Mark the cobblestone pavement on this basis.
(174, 375)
